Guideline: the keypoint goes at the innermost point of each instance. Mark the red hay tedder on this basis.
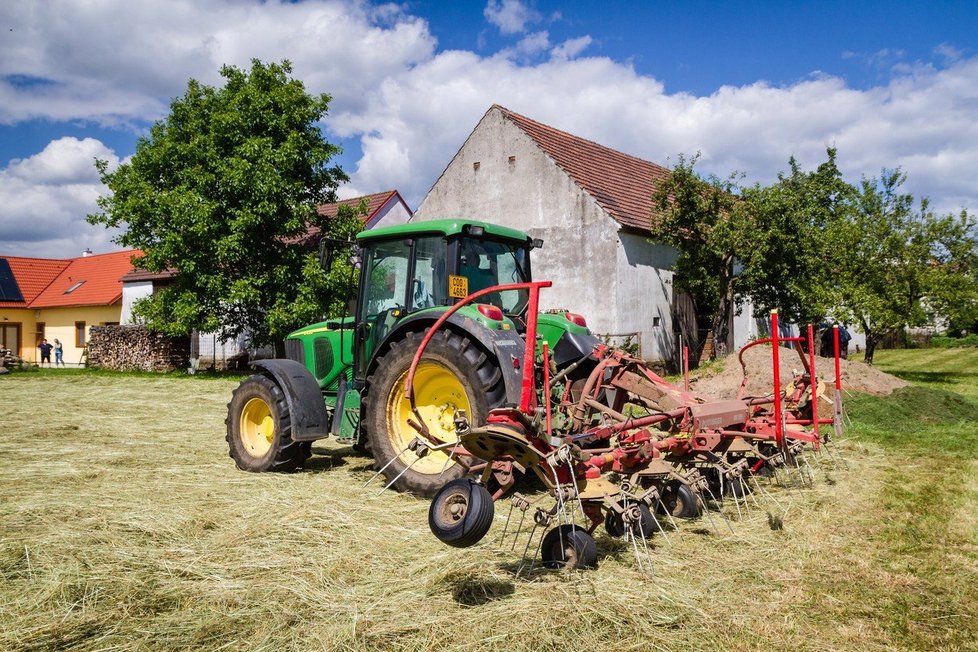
(623, 447)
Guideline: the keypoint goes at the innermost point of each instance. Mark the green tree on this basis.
(787, 260)
(220, 191)
(902, 267)
(702, 220)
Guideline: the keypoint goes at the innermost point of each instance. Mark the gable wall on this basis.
(534, 195)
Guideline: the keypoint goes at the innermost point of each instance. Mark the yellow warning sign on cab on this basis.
(458, 287)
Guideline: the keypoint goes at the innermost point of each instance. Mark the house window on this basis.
(512, 161)
(475, 166)
(656, 322)
(39, 332)
(74, 287)
(80, 334)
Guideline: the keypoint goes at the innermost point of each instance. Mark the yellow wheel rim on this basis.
(438, 393)
(257, 427)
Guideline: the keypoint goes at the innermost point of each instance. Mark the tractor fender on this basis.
(505, 345)
(307, 409)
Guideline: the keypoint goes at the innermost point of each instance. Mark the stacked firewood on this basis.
(129, 348)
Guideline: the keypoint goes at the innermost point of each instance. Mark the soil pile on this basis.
(724, 379)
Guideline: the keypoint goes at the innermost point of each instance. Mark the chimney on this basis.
(86, 253)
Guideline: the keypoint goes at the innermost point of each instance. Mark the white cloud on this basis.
(44, 200)
(117, 61)
(510, 16)
(571, 47)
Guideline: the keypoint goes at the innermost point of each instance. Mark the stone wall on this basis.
(128, 348)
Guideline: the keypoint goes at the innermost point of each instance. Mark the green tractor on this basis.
(346, 378)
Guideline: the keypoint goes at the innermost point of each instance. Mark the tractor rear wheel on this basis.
(259, 428)
(454, 374)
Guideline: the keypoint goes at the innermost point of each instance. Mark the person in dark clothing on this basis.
(844, 338)
(45, 347)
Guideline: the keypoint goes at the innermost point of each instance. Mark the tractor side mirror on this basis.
(325, 254)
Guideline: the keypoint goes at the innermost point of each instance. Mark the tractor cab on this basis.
(424, 267)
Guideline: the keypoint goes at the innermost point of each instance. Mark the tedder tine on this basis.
(391, 461)
(719, 510)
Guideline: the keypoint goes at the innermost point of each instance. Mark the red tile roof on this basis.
(375, 202)
(32, 276)
(45, 283)
(622, 185)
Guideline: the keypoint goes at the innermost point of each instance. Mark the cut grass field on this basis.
(124, 525)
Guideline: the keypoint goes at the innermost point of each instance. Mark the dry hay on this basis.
(723, 380)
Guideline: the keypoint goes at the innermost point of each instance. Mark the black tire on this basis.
(568, 546)
(680, 501)
(736, 487)
(253, 397)
(614, 524)
(475, 369)
(461, 513)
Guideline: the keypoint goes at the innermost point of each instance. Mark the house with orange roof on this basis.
(592, 207)
(59, 299)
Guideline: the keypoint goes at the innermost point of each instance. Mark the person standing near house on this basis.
(58, 353)
(45, 347)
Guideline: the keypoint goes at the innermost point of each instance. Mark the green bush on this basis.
(945, 342)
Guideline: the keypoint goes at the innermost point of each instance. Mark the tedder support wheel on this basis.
(568, 546)
(455, 373)
(614, 524)
(260, 428)
(680, 500)
(461, 513)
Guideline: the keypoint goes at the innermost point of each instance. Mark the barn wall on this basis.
(517, 185)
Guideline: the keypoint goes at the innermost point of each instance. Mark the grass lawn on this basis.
(124, 525)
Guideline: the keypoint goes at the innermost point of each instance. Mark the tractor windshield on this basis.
(486, 262)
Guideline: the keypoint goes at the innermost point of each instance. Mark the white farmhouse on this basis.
(590, 204)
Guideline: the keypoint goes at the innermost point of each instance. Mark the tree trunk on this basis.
(870, 348)
(721, 321)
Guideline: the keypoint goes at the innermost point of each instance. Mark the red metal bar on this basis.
(813, 383)
(546, 383)
(775, 345)
(686, 368)
(531, 330)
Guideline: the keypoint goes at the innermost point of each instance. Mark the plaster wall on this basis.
(644, 295)
(501, 176)
(60, 324)
(22, 322)
(392, 214)
(131, 292)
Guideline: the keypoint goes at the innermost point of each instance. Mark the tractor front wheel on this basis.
(259, 428)
(454, 374)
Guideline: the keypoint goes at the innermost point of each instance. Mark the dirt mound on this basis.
(723, 380)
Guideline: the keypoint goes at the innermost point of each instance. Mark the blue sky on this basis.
(748, 84)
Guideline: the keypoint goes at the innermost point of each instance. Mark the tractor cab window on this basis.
(385, 287)
(485, 263)
(430, 283)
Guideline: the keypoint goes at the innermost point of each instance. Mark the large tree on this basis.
(220, 191)
(764, 243)
(902, 266)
